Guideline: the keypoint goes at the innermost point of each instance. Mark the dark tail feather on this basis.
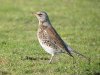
(70, 54)
(71, 50)
(88, 59)
(80, 54)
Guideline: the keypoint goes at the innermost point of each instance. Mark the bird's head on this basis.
(42, 16)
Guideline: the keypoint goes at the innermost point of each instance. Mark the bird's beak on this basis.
(34, 13)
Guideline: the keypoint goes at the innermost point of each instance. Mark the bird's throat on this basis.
(45, 23)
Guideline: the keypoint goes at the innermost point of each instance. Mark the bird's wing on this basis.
(56, 39)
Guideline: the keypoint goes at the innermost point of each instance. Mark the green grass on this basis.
(78, 23)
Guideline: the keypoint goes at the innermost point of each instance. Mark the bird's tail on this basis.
(76, 52)
(87, 58)
(79, 54)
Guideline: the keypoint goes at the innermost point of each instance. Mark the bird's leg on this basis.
(51, 58)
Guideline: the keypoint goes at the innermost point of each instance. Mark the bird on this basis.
(49, 39)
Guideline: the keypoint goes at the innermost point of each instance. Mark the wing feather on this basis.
(56, 39)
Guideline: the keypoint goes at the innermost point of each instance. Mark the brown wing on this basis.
(56, 39)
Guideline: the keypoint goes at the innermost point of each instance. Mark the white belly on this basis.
(48, 49)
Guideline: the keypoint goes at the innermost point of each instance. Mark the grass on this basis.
(78, 23)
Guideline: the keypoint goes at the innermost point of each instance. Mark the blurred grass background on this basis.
(78, 23)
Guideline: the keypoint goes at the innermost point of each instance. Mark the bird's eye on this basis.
(39, 14)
